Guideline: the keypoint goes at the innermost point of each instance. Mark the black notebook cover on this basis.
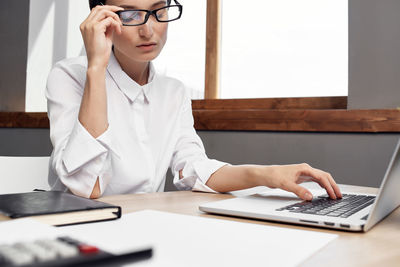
(56, 203)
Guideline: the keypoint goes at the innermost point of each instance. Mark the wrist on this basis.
(98, 62)
(95, 79)
(262, 175)
(254, 175)
(96, 70)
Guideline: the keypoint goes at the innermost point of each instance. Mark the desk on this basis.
(378, 247)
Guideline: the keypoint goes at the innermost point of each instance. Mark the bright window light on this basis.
(284, 48)
(183, 56)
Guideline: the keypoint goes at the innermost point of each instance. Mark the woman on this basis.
(116, 125)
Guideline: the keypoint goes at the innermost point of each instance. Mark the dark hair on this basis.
(93, 3)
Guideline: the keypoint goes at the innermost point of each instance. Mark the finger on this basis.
(110, 23)
(117, 27)
(107, 7)
(300, 191)
(97, 14)
(94, 12)
(324, 180)
(321, 178)
(105, 14)
(111, 7)
(335, 186)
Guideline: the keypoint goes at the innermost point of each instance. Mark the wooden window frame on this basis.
(307, 114)
(315, 114)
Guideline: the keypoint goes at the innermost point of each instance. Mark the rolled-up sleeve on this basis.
(190, 157)
(78, 158)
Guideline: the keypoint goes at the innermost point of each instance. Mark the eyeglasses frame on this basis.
(153, 13)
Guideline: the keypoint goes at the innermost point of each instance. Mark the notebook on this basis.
(354, 212)
(56, 208)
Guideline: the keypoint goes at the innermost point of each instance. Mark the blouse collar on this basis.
(128, 86)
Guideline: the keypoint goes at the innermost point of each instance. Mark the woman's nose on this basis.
(146, 30)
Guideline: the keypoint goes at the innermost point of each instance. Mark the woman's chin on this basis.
(146, 57)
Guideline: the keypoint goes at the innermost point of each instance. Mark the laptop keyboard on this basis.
(323, 205)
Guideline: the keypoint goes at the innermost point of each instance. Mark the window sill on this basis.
(299, 120)
(24, 120)
(338, 120)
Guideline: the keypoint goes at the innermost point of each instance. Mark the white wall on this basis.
(53, 35)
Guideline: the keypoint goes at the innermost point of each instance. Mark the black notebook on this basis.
(56, 208)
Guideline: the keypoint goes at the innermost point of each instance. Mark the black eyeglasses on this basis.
(136, 17)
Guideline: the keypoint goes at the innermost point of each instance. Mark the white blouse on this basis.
(150, 129)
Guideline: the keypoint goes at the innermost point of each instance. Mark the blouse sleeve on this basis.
(190, 157)
(78, 158)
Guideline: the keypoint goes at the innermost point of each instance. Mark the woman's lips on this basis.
(147, 46)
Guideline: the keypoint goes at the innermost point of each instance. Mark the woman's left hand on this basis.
(288, 177)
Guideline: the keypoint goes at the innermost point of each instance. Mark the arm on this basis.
(194, 170)
(286, 177)
(97, 31)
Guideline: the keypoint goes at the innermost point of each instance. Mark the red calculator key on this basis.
(87, 249)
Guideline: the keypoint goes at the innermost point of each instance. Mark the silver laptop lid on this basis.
(388, 197)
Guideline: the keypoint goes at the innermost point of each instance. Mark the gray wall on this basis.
(14, 18)
(374, 57)
(359, 159)
(24, 142)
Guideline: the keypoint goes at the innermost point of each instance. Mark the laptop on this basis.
(354, 212)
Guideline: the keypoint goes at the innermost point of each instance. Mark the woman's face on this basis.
(141, 43)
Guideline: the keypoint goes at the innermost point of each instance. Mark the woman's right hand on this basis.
(97, 32)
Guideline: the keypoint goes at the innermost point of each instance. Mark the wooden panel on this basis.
(382, 120)
(213, 31)
(299, 120)
(24, 120)
(273, 103)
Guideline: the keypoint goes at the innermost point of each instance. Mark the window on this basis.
(285, 48)
(269, 48)
(183, 56)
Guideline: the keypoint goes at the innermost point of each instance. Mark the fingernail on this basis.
(308, 196)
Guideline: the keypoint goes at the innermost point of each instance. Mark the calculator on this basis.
(64, 251)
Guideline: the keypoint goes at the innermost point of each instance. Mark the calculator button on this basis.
(62, 249)
(16, 256)
(65, 250)
(3, 260)
(86, 249)
(39, 252)
(69, 240)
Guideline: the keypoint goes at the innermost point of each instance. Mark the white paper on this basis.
(181, 240)
(25, 230)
